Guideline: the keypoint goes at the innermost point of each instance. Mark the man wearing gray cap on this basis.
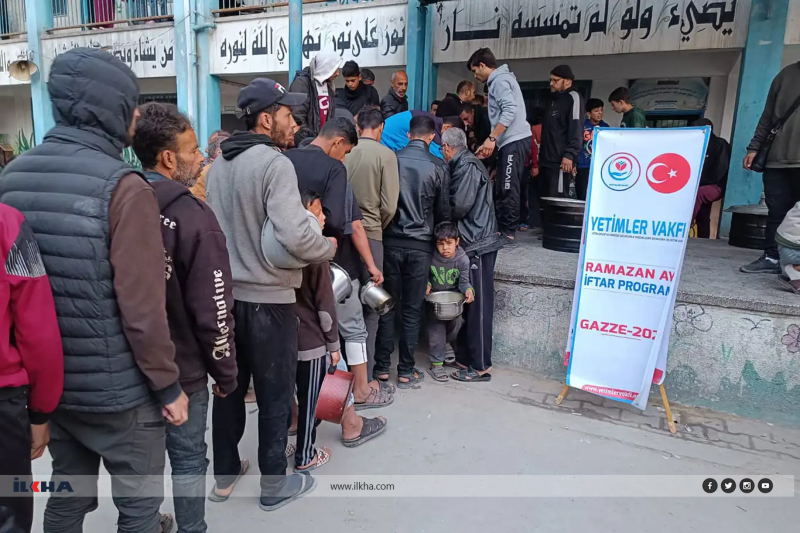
(250, 183)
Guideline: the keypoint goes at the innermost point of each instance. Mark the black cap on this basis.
(563, 71)
(262, 93)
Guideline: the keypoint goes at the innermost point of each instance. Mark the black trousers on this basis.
(582, 183)
(405, 273)
(266, 348)
(512, 169)
(782, 191)
(310, 375)
(15, 454)
(474, 344)
(549, 180)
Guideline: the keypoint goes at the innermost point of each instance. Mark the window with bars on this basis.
(59, 8)
(164, 98)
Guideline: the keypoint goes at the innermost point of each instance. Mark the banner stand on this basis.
(671, 421)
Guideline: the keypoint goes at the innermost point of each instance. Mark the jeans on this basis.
(782, 191)
(406, 278)
(511, 171)
(266, 348)
(131, 445)
(474, 345)
(187, 450)
(15, 452)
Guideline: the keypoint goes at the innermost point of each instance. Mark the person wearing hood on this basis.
(396, 129)
(396, 100)
(355, 94)
(510, 134)
(453, 104)
(367, 77)
(562, 135)
(199, 295)
(106, 269)
(316, 82)
(251, 183)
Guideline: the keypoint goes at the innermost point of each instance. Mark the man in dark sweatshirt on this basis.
(199, 295)
(562, 134)
(31, 361)
(396, 100)
(355, 94)
(106, 270)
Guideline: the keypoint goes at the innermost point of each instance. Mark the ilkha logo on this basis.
(668, 173)
(41, 486)
(620, 172)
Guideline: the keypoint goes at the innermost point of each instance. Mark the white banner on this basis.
(371, 36)
(522, 29)
(149, 52)
(641, 196)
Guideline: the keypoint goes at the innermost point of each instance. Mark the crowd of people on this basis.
(101, 361)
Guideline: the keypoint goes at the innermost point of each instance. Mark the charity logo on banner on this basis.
(638, 213)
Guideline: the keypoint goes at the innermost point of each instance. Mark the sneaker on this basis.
(762, 265)
(509, 242)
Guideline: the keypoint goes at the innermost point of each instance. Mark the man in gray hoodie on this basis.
(250, 183)
(511, 135)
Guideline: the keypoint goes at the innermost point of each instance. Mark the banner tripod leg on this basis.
(561, 396)
(670, 420)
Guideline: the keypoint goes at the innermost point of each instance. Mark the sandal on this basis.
(218, 498)
(470, 374)
(377, 376)
(371, 429)
(387, 387)
(322, 457)
(166, 521)
(290, 450)
(415, 378)
(523, 227)
(438, 373)
(375, 400)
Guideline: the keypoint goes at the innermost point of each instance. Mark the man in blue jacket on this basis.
(594, 119)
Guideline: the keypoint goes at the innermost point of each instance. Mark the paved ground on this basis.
(510, 426)
(710, 275)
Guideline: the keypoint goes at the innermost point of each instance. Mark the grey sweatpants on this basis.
(131, 445)
(440, 332)
(371, 317)
(352, 328)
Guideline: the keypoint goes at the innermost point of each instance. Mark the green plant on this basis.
(130, 157)
(23, 143)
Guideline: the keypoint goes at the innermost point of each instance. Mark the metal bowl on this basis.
(376, 298)
(447, 305)
(342, 287)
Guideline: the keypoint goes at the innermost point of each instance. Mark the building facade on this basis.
(681, 59)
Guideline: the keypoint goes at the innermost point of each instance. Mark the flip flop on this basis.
(415, 378)
(323, 455)
(308, 484)
(470, 375)
(167, 521)
(375, 400)
(371, 429)
(216, 498)
(438, 373)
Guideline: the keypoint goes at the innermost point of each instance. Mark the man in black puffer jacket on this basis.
(96, 221)
(408, 245)
(473, 211)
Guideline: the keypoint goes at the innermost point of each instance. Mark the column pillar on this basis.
(295, 38)
(761, 62)
(39, 16)
(209, 117)
(430, 72)
(415, 53)
(185, 58)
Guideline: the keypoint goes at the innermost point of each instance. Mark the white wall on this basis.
(609, 72)
(15, 101)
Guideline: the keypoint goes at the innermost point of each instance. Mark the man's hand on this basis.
(218, 391)
(470, 296)
(335, 243)
(428, 290)
(177, 412)
(335, 357)
(486, 149)
(375, 274)
(534, 171)
(40, 436)
(748, 160)
(566, 165)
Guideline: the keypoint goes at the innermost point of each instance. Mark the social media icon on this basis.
(710, 485)
(746, 485)
(765, 486)
(728, 485)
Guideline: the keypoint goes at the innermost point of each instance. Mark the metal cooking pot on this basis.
(447, 305)
(342, 287)
(334, 395)
(376, 298)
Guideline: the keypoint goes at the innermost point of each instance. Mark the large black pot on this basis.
(563, 224)
(748, 226)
